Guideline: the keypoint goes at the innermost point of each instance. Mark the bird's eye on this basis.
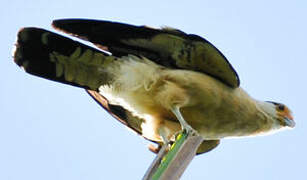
(281, 107)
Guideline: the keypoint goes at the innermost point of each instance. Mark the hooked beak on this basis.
(289, 122)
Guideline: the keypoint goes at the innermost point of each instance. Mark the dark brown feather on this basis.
(167, 47)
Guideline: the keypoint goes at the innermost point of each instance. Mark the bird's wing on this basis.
(118, 112)
(207, 146)
(168, 47)
(55, 57)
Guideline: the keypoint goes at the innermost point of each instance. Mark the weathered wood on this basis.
(171, 165)
(156, 162)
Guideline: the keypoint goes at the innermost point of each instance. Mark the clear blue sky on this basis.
(52, 131)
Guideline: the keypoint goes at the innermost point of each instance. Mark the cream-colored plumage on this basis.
(212, 108)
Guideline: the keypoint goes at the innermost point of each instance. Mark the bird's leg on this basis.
(166, 142)
(163, 135)
(184, 125)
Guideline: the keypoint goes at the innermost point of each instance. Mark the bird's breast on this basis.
(209, 106)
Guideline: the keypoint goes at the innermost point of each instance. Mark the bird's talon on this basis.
(189, 130)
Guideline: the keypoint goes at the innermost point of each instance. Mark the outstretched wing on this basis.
(52, 56)
(168, 47)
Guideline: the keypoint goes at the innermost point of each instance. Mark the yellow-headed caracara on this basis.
(155, 81)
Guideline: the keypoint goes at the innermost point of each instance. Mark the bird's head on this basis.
(282, 115)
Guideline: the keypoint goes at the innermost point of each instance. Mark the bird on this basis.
(156, 81)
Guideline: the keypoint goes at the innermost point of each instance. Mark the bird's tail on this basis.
(55, 57)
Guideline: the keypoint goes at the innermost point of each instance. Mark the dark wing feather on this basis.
(118, 112)
(168, 47)
(52, 56)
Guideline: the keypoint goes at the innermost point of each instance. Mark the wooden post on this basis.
(170, 164)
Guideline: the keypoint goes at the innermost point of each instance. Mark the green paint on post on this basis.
(167, 159)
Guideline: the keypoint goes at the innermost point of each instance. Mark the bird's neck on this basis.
(266, 116)
(255, 117)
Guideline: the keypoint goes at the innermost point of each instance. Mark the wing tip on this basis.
(17, 52)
